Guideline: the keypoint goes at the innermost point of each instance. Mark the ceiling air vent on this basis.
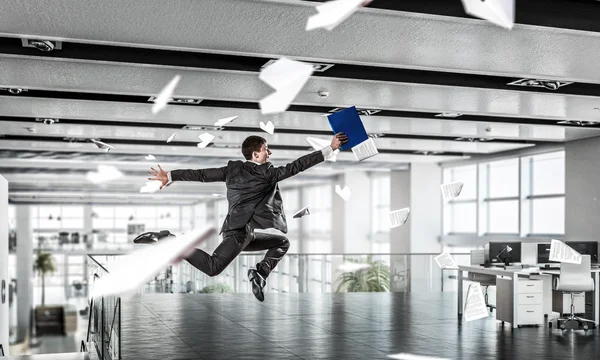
(14, 91)
(546, 84)
(427, 152)
(376, 135)
(203, 127)
(47, 121)
(468, 139)
(578, 123)
(364, 112)
(188, 101)
(317, 67)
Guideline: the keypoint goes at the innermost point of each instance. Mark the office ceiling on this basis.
(402, 62)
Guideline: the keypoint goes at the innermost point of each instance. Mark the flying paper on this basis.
(104, 174)
(268, 127)
(333, 13)
(151, 187)
(365, 150)
(206, 139)
(225, 121)
(562, 252)
(352, 267)
(405, 356)
(102, 145)
(398, 217)
(475, 307)
(451, 190)
(287, 77)
(499, 12)
(445, 261)
(302, 212)
(128, 272)
(171, 138)
(319, 144)
(165, 95)
(150, 157)
(343, 193)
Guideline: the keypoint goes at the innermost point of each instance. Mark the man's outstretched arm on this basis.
(202, 175)
(307, 161)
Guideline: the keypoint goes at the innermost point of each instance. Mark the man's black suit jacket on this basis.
(252, 190)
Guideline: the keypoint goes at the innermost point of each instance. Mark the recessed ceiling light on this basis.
(427, 152)
(203, 127)
(47, 121)
(42, 45)
(578, 123)
(188, 101)
(227, 146)
(14, 91)
(317, 67)
(376, 135)
(546, 84)
(216, 195)
(364, 112)
(449, 115)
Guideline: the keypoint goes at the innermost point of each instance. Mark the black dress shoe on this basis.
(152, 237)
(258, 283)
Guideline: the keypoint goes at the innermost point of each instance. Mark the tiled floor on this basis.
(330, 326)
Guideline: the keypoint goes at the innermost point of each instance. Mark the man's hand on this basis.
(161, 176)
(338, 140)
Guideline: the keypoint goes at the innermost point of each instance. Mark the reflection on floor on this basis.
(330, 326)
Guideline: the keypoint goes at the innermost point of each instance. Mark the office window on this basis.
(460, 214)
(319, 197)
(500, 184)
(380, 195)
(548, 171)
(12, 217)
(65, 217)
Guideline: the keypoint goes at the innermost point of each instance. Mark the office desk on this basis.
(514, 274)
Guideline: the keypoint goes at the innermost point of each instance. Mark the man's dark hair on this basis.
(251, 144)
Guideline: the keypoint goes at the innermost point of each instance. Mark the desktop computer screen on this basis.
(585, 248)
(543, 254)
(500, 254)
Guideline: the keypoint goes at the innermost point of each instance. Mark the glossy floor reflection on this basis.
(330, 326)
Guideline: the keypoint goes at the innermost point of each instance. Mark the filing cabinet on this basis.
(531, 301)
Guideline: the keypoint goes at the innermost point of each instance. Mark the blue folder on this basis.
(348, 122)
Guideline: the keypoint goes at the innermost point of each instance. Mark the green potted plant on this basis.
(375, 278)
(44, 264)
(217, 288)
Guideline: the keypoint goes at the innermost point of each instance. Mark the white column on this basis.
(4, 280)
(24, 270)
(400, 197)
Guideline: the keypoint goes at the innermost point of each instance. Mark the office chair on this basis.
(574, 278)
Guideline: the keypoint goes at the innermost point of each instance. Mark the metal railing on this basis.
(301, 273)
(104, 325)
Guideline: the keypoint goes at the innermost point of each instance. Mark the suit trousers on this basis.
(236, 241)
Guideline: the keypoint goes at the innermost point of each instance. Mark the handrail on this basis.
(316, 254)
(97, 263)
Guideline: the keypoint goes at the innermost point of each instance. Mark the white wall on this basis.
(4, 280)
(582, 190)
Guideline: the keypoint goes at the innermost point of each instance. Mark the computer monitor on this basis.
(543, 254)
(585, 248)
(499, 252)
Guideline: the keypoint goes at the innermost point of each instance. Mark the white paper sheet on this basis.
(333, 13)
(445, 261)
(268, 127)
(225, 121)
(398, 217)
(559, 251)
(103, 146)
(104, 173)
(499, 12)
(352, 267)
(150, 157)
(127, 273)
(343, 193)
(302, 212)
(287, 77)
(451, 190)
(365, 150)
(405, 356)
(206, 138)
(171, 138)
(165, 95)
(475, 307)
(319, 144)
(151, 187)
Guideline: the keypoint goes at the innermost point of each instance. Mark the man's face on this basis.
(262, 156)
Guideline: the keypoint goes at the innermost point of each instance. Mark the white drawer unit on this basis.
(530, 308)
